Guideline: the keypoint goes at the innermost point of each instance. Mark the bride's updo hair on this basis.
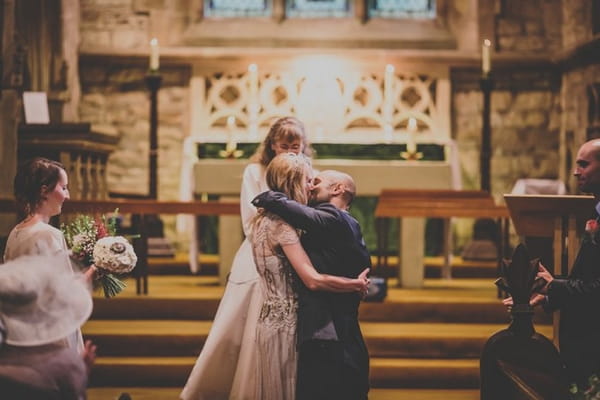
(288, 173)
(31, 176)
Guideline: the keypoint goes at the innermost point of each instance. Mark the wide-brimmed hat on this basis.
(41, 301)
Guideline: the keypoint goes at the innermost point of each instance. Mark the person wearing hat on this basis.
(40, 306)
(40, 189)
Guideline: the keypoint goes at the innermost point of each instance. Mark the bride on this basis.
(280, 261)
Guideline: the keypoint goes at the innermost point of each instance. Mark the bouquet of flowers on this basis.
(95, 241)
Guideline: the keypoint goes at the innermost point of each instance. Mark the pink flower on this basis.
(591, 226)
(100, 229)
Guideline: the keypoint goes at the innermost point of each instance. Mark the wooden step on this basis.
(197, 298)
(384, 339)
(209, 265)
(423, 373)
(384, 372)
(154, 393)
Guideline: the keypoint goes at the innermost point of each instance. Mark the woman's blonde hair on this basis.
(287, 129)
(287, 173)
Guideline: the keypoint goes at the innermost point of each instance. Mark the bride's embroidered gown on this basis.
(276, 329)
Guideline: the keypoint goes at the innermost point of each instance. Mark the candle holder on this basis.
(411, 155)
(487, 85)
(153, 81)
(231, 151)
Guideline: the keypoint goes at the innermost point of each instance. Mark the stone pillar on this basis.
(70, 53)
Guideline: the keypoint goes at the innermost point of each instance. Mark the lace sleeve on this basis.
(285, 233)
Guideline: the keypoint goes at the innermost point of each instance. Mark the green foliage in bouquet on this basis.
(593, 392)
(81, 236)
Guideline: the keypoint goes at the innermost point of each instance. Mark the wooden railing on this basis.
(142, 208)
(83, 152)
(445, 204)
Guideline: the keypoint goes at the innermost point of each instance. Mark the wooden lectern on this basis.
(558, 219)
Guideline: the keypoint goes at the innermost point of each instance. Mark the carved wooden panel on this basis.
(335, 105)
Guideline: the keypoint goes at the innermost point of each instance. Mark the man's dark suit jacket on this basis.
(334, 243)
(578, 299)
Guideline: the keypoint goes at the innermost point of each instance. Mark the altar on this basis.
(223, 178)
(388, 128)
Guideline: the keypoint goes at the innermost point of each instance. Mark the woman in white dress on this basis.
(278, 253)
(226, 366)
(41, 188)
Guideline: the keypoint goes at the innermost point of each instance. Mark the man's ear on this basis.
(338, 189)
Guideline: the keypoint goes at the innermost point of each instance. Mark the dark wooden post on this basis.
(153, 80)
(518, 362)
(487, 84)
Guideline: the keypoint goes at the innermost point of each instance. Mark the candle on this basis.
(412, 124)
(411, 146)
(230, 123)
(253, 101)
(388, 82)
(388, 93)
(253, 81)
(154, 57)
(485, 56)
(231, 144)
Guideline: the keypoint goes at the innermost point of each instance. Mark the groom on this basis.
(333, 362)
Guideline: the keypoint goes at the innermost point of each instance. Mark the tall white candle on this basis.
(388, 94)
(388, 82)
(230, 123)
(412, 125)
(411, 146)
(253, 81)
(154, 56)
(253, 101)
(485, 56)
(231, 144)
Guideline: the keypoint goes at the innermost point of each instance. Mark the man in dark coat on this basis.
(333, 362)
(578, 295)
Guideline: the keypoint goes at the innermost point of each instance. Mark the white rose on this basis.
(114, 254)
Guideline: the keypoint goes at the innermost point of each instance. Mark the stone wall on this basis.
(577, 30)
(115, 100)
(575, 109)
(525, 123)
(577, 22)
(130, 24)
(532, 25)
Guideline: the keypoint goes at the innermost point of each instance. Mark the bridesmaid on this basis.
(40, 189)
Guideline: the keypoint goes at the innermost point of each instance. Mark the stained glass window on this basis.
(402, 9)
(237, 8)
(317, 8)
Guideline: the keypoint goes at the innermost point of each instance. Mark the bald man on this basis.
(333, 362)
(578, 295)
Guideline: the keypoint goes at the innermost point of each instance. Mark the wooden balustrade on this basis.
(84, 154)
